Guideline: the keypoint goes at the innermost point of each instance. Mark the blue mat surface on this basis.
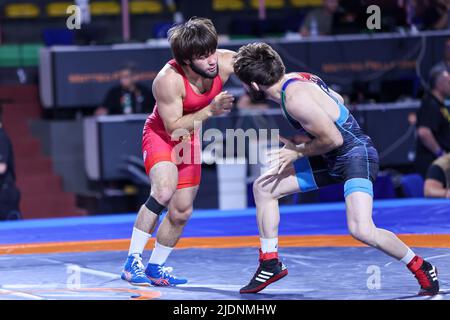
(314, 273)
(415, 216)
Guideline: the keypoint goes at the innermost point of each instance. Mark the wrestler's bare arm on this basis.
(225, 63)
(303, 107)
(168, 90)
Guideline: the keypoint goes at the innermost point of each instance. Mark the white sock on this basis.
(138, 241)
(269, 244)
(408, 257)
(160, 254)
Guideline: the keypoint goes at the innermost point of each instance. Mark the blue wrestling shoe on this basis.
(160, 276)
(133, 271)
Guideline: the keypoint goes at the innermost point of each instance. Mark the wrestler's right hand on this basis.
(222, 103)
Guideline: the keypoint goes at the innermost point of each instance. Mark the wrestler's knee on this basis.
(364, 232)
(162, 194)
(262, 191)
(180, 216)
(164, 179)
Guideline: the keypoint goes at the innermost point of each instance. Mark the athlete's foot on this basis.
(160, 276)
(427, 276)
(270, 269)
(133, 271)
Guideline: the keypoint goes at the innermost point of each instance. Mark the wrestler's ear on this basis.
(255, 86)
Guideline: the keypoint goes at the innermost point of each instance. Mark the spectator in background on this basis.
(361, 93)
(393, 13)
(444, 65)
(128, 97)
(433, 123)
(352, 15)
(437, 182)
(431, 14)
(349, 18)
(9, 194)
(320, 21)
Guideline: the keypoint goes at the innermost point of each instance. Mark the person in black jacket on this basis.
(9, 194)
(128, 97)
(433, 123)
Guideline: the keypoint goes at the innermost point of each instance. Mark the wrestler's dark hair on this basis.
(193, 39)
(258, 62)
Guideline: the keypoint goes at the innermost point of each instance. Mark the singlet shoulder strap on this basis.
(283, 100)
(284, 87)
(289, 81)
(177, 67)
(173, 63)
(319, 82)
(343, 111)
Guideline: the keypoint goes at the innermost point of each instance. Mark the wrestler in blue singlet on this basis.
(355, 162)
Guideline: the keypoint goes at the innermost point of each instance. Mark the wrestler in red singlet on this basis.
(188, 91)
(157, 145)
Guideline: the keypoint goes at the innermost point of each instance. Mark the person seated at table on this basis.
(128, 97)
(437, 182)
(430, 14)
(320, 21)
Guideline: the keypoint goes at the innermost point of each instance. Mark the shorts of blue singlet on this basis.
(358, 168)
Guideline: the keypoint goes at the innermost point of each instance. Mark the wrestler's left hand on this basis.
(281, 158)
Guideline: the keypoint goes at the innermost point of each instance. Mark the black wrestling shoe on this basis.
(270, 269)
(427, 276)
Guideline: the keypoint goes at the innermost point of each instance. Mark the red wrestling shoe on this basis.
(270, 269)
(426, 274)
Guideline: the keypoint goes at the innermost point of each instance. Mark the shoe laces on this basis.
(137, 267)
(165, 272)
